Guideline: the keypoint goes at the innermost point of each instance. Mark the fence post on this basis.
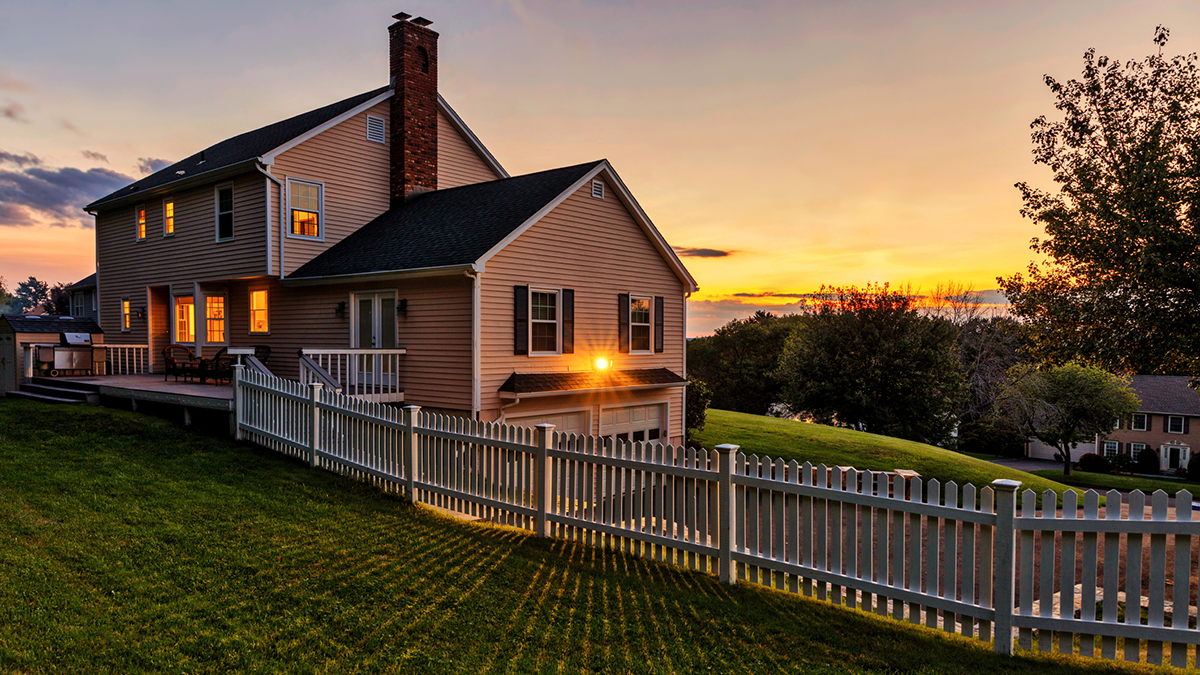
(314, 429)
(410, 450)
(235, 421)
(545, 478)
(1004, 564)
(726, 527)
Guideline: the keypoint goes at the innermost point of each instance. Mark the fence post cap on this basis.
(413, 408)
(1006, 484)
(316, 386)
(726, 448)
(544, 425)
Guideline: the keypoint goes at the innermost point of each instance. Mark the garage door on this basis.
(635, 423)
(577, 422)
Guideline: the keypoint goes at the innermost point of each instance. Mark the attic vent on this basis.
(597, 189)
(375, 129)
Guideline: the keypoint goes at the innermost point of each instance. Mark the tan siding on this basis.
(127, 266)
(594, 247)
(354, 172)
(458, 163)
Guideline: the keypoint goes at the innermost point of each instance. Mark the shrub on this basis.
(1147, 461)
(1095, 463)
(1122, 463)
(1193, 469)
(698, 398)
(992, 435)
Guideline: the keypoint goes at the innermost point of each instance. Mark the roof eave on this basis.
(387, 275)
(509, 395)
(224, 172)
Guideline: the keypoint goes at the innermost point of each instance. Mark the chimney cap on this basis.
(421, 21)
(401, 16)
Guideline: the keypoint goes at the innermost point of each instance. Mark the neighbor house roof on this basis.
(533, 383)
(1166, 394)
(87, 282)
(50, 323)
(444, 228)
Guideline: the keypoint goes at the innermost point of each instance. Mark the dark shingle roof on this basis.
(1168, 394)
(528, 383)
(87, 282)
(50, 324)
(444, 227)
(242, 147)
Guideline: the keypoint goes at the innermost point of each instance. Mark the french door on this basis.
(374, 327)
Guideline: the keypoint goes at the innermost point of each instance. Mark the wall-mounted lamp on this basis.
(602, 363)
(141, 313)
(402, 307)
(340, 310)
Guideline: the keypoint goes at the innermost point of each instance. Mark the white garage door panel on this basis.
(567, 423)
(637, 423)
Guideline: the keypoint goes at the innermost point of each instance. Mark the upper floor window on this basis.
(258, 312)
(543, 317)
(1175, 425)
(77, 303)
(224, 212)
(125, 312)
(1139, 422)
(140, 216)
(214, 319)
(305, 200)
(639, 324)
(168, 217)
(185, 319)
(375, 129)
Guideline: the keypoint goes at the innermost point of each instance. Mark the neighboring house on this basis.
(381, 221)
(84, 303)
(1164, 423)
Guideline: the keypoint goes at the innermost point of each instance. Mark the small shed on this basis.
(17, 330)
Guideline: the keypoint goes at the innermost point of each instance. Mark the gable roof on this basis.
(1166, 394)
(87, 282)
(444, 228)
(50, 323)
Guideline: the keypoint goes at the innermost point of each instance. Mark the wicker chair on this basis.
(219, 367)
(179, 360)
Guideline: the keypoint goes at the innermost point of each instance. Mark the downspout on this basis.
(506, 406)
(683, 413)
(475, 273)
(282, 267)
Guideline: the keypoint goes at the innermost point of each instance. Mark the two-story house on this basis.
(1164, 423)
(381, 221)
(84, 303)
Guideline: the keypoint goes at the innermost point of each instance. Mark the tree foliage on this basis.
(698, 398)
(1121, 286)
(740, 361)
(6, 299)
(867, 359)
(58, 300)
(30, 294)
(1069, 404)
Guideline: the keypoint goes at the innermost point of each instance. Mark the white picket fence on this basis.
(949, 557)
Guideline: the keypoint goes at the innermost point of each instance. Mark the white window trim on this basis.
(122, 302)
(320, 210)
(77, 304)
(1115, 448)
(170, 200)
(650, 299)
(250, 312)
(1181, 424)
(175, 319)
(225, 298)
(138, 234)
(382, 123)
(1145, 422)
(217, 213)
(558, 321)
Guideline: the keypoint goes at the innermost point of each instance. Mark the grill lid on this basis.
(75, 338)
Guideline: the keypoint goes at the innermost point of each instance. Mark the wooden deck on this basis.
(153, 388)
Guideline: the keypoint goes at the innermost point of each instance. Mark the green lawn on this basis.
(1108, 481)
(130, 545)
(833, 446)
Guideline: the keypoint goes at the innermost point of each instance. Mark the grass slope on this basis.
(129, 545)
(832, 446)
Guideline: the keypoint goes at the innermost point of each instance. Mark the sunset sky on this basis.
(802, 143)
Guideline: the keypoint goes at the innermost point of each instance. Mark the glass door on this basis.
(375, 328)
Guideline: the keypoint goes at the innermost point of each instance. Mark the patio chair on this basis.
(179, 360)
(262, 353)
(219, 367)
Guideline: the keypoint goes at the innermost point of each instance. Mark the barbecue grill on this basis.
(73, 355)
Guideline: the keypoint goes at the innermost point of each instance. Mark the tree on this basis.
(868, 359)
(1121, 286)
(30, 293)
(6, 299)
(740, 361)
(58, 300)
(698, 398)
(1065, 405)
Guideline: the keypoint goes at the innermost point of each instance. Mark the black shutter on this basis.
(1186, 425)
(520, 320)
(658, 324)
(568, 321)
(1120, 445)
(1166, 423)
(623, 323)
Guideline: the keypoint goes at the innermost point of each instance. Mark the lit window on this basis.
(304, 199)
(224, 212)
(185, 319)
(543, 317)
(168, 218)
(1174, 425)
(1139, 422)
(258, 312)
(639, 324)
(141, 222)
(1110, 448)
(214, 318)
(125, 315)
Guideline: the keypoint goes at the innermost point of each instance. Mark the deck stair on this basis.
(52, 390)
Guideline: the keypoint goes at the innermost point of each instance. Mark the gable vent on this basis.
(597, 189)
(375, 129)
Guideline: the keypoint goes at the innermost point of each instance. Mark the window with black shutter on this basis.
(520, 320)
(659, 343)
(623, 323)
(568, 321)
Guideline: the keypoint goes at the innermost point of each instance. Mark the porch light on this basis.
(340, 310)
(602, 363)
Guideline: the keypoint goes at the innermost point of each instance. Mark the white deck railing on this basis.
(369, 374)
(952, 558)
(119, 359)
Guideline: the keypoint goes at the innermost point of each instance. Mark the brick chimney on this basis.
(413, 49)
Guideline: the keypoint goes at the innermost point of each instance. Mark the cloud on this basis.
(14, 112)
(13, 84)
(769, 294)
(148, 165)
(705, 316)
(24, 160)
(686, 252)
(94, 156)
(37, 194)
(66, 124)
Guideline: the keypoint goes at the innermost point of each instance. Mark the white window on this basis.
(597, 189)
(1136, 450)
(185, 319)
(77, 303)
(125, 311)
(259, 321)
(168, 217)
(139, 214)
(543, 321)
(375, 129)
(306, 202)
(1175, 424)
(224, 198)
(1110, 448)
(214, 319)
(640, 311)
(1139, 422)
